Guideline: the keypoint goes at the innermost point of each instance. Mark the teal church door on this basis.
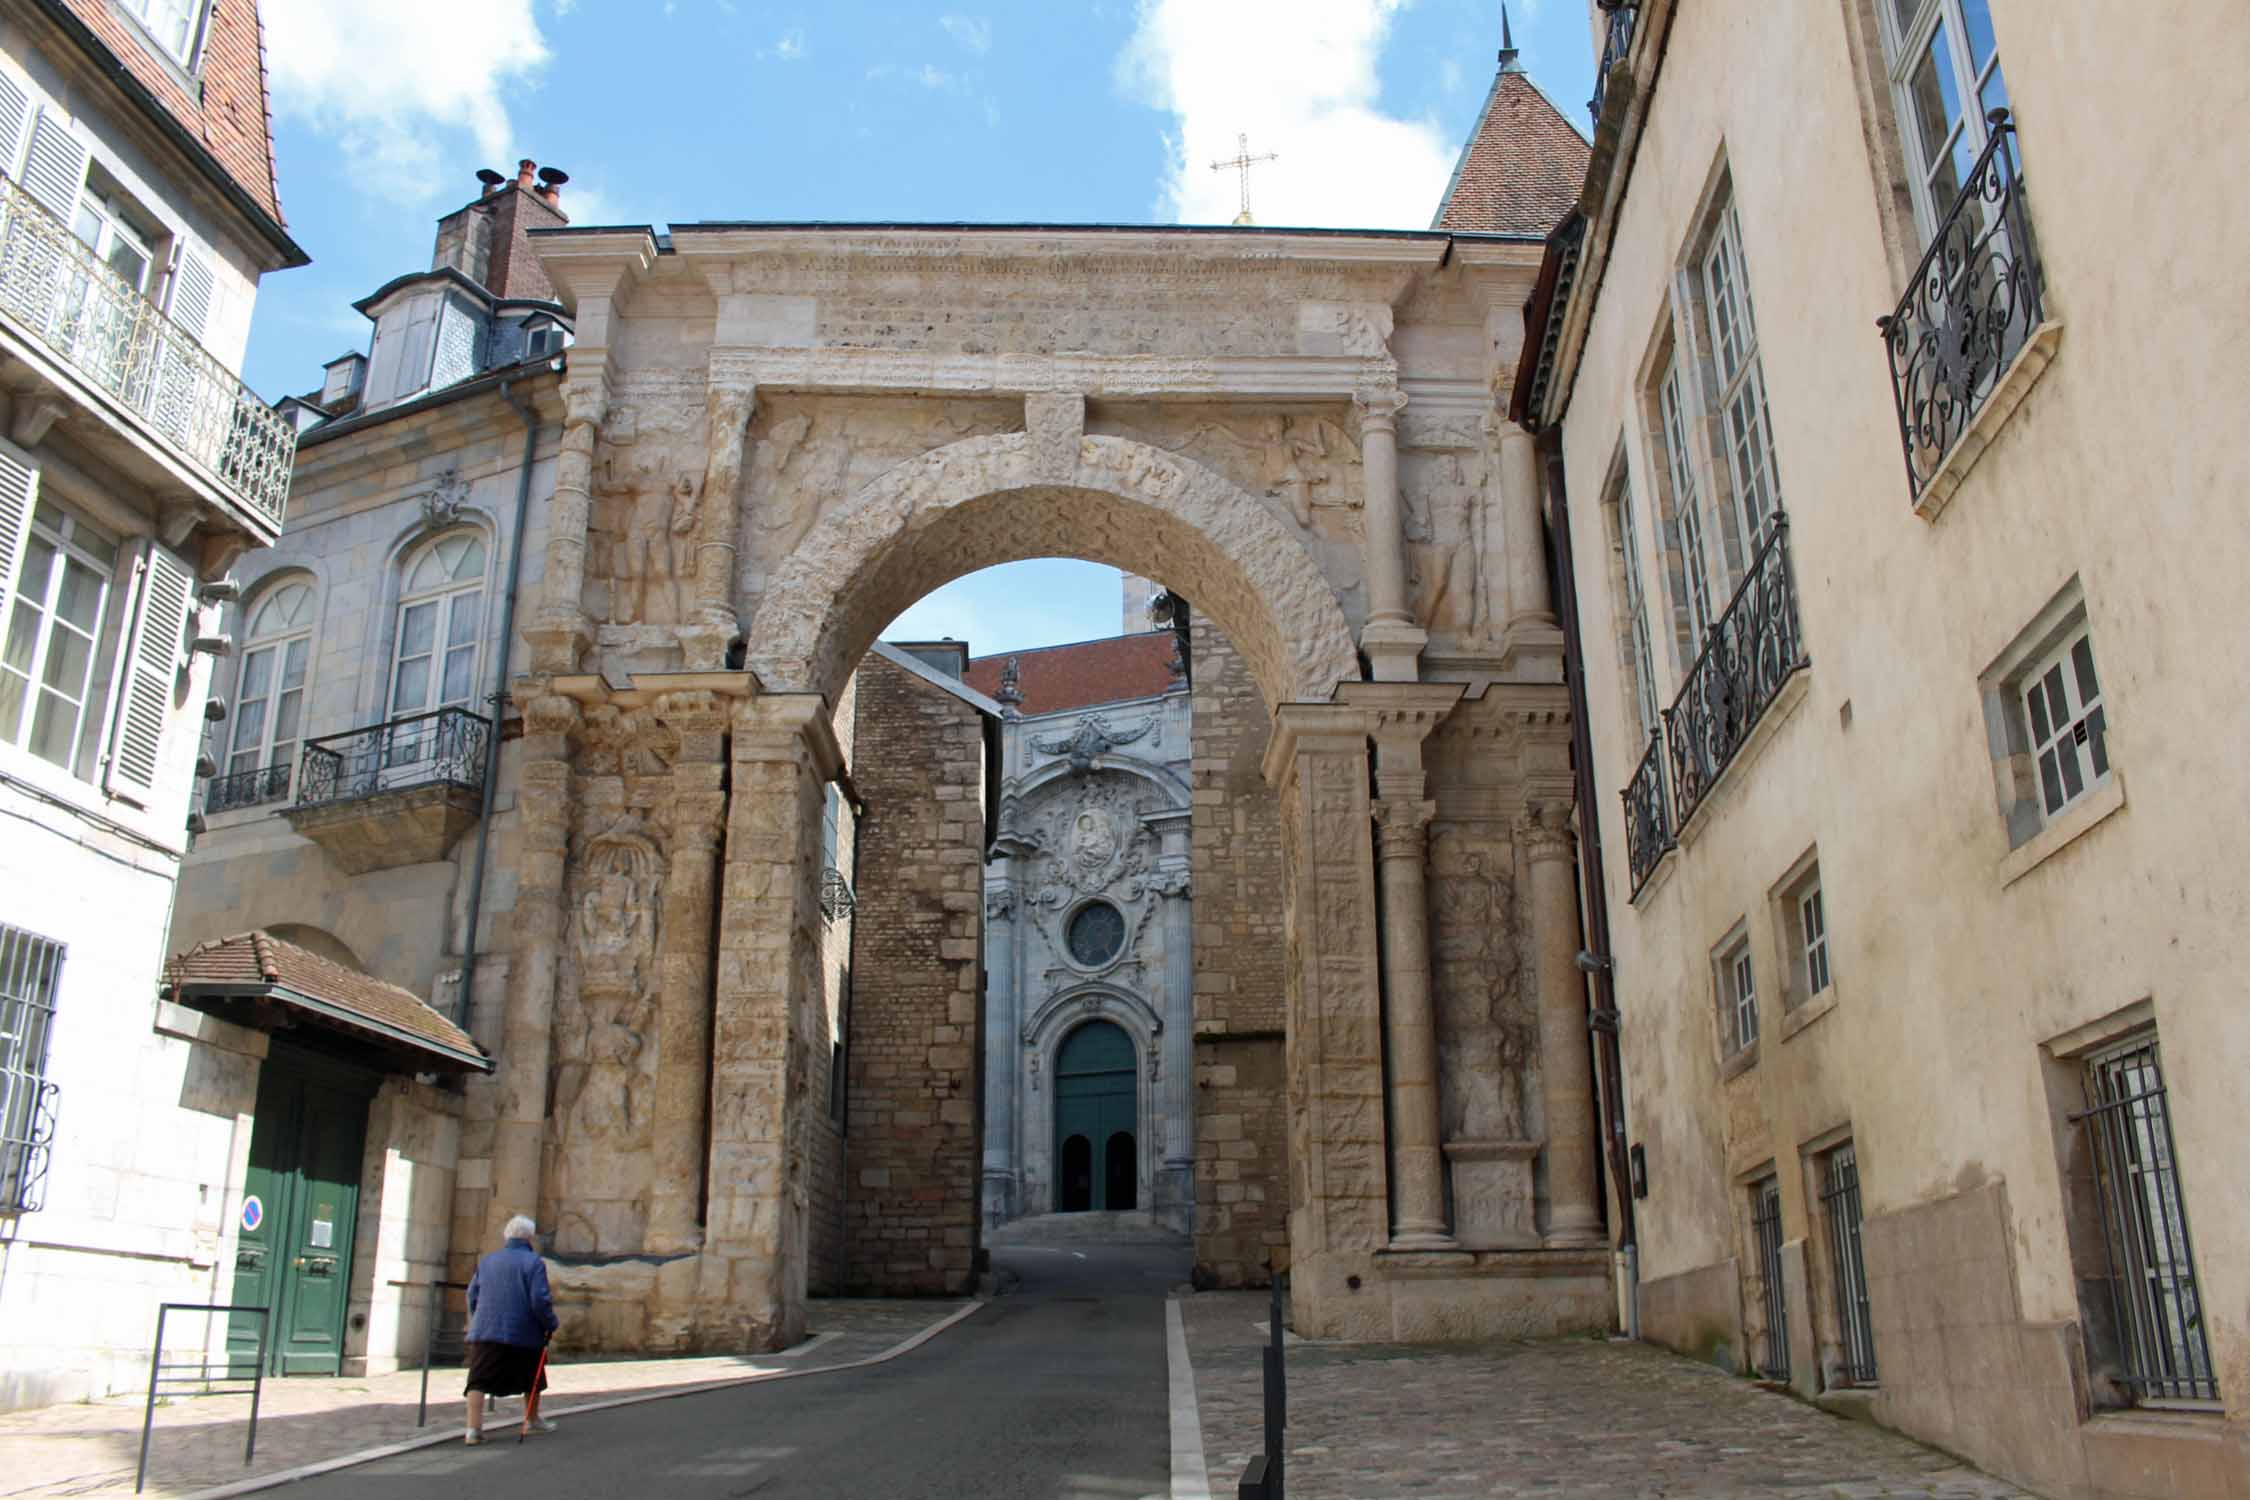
(1096, 1165)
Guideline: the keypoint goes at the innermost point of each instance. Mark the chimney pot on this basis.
(490, 179)
(524, 170)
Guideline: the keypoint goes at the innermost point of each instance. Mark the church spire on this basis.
(1508, 63)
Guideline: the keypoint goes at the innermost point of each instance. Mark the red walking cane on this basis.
(531, 1397)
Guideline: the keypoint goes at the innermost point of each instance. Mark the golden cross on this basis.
(1242, 162)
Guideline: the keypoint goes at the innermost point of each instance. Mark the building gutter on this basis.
(530, 420)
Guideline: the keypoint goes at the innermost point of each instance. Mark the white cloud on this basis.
(934, 77)
(972, 32)
(389, 82)
(1298, 77)
(791, 45)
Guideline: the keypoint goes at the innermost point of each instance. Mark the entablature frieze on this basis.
(1145, 377)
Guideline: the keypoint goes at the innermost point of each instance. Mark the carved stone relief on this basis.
(1488, 1036)
(1444, 539)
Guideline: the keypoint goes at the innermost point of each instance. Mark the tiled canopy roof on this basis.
(1522, 168)
(253, 965)
(1055, 678)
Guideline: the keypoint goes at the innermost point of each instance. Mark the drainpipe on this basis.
(1608, 1064)
(499, 699)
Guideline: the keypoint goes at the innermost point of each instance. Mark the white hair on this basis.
(519, 1228)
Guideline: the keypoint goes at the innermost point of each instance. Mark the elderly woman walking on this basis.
(511, 1317)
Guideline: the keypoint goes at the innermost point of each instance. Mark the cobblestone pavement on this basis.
(90, 1448)
(1561, 1417)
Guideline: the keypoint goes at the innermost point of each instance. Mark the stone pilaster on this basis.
(544, 800)
(1565, 1056)
(1528, 598)
(558, 632)
(1392, 641)
(1175, 1079)
(683, 1024)
(1003, 1046)
(732, 402)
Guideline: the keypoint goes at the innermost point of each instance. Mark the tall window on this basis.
(270, 698)
(1742, 389)
(30, 972)
(1765, 1226)
(1738, 992)
(1839, 1199)
(2062, 700)
(54, 678)
(1945, 75)
(440, 614)
(1640, 655)
(1687, 509)
(108, 227)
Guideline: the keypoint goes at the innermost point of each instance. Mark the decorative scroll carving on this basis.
(1056, 422)
(1091, 738)
(441, 505)
(999, 904)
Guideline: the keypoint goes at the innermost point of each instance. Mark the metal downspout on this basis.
(1597, 959)
(499, 700)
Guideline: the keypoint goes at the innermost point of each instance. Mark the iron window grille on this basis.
(30, 974)
(2159, 1305)
(1839, 1198)
(1765, 1226)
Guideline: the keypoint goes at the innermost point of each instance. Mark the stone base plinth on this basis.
(1492, 1194)
(1450, 1296)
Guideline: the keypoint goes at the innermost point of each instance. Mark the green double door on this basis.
(299, 1211)
(1096, 1164)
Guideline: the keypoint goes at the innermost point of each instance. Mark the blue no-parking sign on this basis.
(253, 1212)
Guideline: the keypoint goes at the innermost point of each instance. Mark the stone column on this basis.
(1565, 1051)
(1175, 1188)
(683, 1019)
(751, 1293)
(1528, 600)
(1003, 1049)
(1391, 639)
(544, 799)
(558, 632)
(732, 402)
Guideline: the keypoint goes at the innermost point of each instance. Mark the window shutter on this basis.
(19, 489)
(152, 663)
(55, 168)
(191, 293)
(15, 107)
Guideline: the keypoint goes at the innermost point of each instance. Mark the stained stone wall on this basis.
(912, 1148)
(825, 1188)
(1241, 999)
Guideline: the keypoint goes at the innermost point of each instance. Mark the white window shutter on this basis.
(15, 108)
(19, 491)
(54, 170)
(152, 665)
(191, 293)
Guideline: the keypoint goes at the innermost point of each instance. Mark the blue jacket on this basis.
(508, 1298)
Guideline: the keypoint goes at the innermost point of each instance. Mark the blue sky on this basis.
(982, 110)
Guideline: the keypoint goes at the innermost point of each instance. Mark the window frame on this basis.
(1740, 383)
(188, 56)
(1906, 45)
(277, 645)
(1687, 506)
(1735, 973)
(1843, 1209)
(92, 704)
(2086, 730)
(1766, 1240)
(446, 596)
(1636, 645)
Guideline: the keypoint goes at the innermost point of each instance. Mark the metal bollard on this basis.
(1263, 1479)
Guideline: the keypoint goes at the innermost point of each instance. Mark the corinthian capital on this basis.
(1544, 829)
(1403, 826)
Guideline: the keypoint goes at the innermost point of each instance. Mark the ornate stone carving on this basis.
(1091, 738)
(619, 874)
(1487, 1036)
(1010, 695)
(1302, 462)
(652, 560)
(999, 904)
(1055, 422)
(441, 504)
(1443, 541)
(1544, 829)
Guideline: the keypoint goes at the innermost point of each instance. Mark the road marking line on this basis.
(433, 1439)
(1190, 1479)
(1079, 1253)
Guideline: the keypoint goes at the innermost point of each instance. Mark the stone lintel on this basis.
(1312, 728)
(780, 716)
(651, 687)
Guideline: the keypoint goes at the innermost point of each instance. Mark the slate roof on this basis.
(252, 963)
(1056, 678)
(1522, 167)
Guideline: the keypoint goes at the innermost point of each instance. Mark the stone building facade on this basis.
(1894, 441)
(138, 215)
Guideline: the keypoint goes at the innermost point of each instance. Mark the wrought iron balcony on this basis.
(1617, 40)
(252, 788)
(1751, 652)
(1648, 815)
(59, 293)
(836, 898)
(1971, 306)
(444, 748)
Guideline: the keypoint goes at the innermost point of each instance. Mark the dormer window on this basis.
(176, 26)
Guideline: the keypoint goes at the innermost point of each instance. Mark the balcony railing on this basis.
(1617, 40)
(1648, 815)
(1754, 648)
(836, 898)
(240, 789)
(27, 1138)
(58, 291)
(1971, 306)
(446, 747)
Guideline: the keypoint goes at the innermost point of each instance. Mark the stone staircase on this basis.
(1128, 1228)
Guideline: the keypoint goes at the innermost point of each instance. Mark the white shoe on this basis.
(473, 1436)
(539, 1424)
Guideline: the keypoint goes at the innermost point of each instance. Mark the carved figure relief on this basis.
(1300, 462)
(652, 560)
(1443, 542)
(1487, 1038)
(618, 880)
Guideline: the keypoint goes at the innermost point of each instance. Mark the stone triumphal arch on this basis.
(777, 438)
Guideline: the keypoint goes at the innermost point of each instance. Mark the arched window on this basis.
(269, 706)
(440, 614)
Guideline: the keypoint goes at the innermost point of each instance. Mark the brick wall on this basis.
(515, 270)
(1241, 1126)
(913, 1148)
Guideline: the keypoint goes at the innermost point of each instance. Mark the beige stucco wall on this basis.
(2122, 469)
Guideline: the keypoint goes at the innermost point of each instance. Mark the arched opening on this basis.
(1095, 1100)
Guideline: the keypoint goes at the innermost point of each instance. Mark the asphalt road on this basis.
(1055, 1391)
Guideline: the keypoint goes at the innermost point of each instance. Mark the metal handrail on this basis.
(1969, 308)
(837, 900)
(58, 291)
(1617, 40)
(429, 1339)
(444, 746)
(1648, 815)
(1753, 649)
(213, 1384)
(252, 788)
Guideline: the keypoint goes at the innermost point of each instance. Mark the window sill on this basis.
(2014, 384)
(1738, 1064)
(1665, 863)
(1797, 1019)
(2066, 829)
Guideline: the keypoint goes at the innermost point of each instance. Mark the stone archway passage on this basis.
(1095, 1109)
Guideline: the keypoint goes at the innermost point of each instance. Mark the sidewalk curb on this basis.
(431, 1440)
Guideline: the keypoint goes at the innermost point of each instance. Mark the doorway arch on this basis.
(1097, 1118)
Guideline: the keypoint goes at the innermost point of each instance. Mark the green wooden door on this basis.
(1096, 1164)
(299, 1213)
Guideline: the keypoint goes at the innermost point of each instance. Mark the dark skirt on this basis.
(503, 1369)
